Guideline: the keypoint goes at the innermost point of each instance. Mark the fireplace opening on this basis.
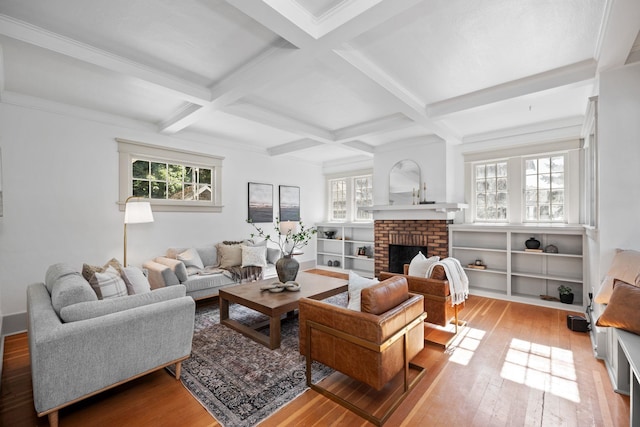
(399, 255)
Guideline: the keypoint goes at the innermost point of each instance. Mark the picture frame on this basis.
(260, 202)
(289, 203)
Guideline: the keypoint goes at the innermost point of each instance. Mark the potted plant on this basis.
(288, 239)
(566, 294)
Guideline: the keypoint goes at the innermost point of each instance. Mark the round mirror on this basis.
(404, 182)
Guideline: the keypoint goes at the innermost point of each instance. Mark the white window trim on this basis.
(132, 149)
(351, 206)
(515, 171)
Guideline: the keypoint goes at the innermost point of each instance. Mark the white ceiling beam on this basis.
(384, 124)
(40, 37)
(563, 76)
(569, 127)
(619, 29)
(290, 147)
(261, 114)
(360, 146)
(186, 116)
(273, 20)
(409, 104)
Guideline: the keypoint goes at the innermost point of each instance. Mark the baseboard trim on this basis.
(14, 323)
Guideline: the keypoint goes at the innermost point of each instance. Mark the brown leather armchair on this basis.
(372, 346)
(437, 299)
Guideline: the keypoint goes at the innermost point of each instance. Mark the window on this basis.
(491, 191)
(532, 183)
(544, 189)
(348, 195)
(173, 180)
(338, 199)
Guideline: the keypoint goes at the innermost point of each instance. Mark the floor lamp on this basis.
(135, 212)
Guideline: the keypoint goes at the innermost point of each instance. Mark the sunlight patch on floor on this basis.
(464, 346)
(550, 369)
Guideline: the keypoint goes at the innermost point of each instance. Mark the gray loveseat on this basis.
(206, 269)
(80, 346)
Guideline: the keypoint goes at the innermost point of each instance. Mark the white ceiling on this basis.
(323, 80)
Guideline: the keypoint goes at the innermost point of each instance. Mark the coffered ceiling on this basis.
(322, 80)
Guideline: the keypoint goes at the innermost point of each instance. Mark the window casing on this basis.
(543, 183)
(348, 195)
(172, 180)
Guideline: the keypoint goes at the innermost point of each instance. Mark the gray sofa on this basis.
(197, 277)
(80, 346)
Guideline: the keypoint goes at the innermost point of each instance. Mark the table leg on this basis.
(224, 309)
(274, 332)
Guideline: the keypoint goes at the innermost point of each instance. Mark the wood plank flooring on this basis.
(514, 365)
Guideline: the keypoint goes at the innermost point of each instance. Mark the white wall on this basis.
(619, 155)
(429, 154)
(60, 183)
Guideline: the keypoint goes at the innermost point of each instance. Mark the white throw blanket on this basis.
(458, 280)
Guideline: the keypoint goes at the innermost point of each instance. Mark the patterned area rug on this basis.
(239, 381)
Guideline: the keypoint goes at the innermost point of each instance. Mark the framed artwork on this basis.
(260, 202)
(289, 203)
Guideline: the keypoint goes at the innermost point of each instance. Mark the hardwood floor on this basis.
(515, 365)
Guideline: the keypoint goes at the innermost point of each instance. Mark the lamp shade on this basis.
(287, 227)
(137, 213)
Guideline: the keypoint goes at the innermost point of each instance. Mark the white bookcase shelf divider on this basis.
(343, 247)
(515, 274)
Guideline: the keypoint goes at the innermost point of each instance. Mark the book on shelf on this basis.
(534, 250)
(477, 267)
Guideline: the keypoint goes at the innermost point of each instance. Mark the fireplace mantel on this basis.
(413, 212)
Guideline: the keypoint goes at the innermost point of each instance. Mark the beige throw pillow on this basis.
(229, 255)
(420, 265)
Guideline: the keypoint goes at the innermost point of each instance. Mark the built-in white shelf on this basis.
(516, 274)
(344, 247)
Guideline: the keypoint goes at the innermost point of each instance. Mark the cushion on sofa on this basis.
(137, 281)
(56, 271)
(355, 287)
(273, 255)
(89, 270)
(71, 289)
(625, 267)
(385, 295)
(254, 256)
(91, 309)
(420, 264)
(108, 284)
(229, 255)
(208, 255)
(622, 310)
(191, 258)
(178, 267)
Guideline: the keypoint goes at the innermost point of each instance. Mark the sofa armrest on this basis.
(160, 275)
(422, 285)
(72, 360)
(177, 266)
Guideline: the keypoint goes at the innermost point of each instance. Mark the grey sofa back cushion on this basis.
(71, 289)
(56, 271)
(208, 255)
(90, 309)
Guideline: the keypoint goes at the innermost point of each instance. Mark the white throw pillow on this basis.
(108, 284)
(137, 282)
(191, 258)
(356, 285)
(420, 265)
(254, 256)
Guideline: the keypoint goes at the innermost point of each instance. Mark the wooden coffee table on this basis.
(274, 305)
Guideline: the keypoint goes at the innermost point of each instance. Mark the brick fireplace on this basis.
(433, 234)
